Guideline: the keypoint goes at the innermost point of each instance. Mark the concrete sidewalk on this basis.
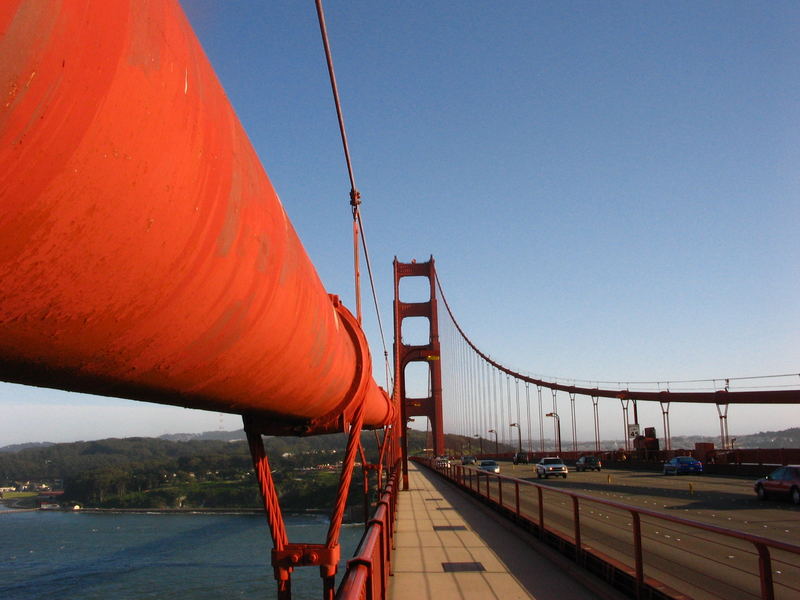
(450, 546)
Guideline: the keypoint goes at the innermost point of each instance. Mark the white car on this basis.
(490, 466)
(441, 462)
(551, 465)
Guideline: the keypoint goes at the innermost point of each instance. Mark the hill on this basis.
(18, 447)
(223, 436)
(194, 473)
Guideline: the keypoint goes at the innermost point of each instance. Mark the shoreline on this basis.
(166, 511)
(324, 514)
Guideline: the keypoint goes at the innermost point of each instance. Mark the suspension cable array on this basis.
(480, 403)
(725, 395)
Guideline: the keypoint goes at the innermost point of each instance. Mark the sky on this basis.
(611, 191)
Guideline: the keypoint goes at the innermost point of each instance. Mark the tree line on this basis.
(157, 473)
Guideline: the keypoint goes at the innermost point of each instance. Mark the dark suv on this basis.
(521, 458)
(588, 463)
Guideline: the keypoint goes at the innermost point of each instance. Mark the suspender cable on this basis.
(723, 396)
(389, 380)
(508, 399)
(355, 198)
(541, 419)
(528, 403)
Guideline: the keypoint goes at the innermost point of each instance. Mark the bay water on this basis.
(87, 556)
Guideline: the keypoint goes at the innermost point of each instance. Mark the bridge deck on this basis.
(439, 528)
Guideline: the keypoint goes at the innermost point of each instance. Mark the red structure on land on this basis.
(429, 354)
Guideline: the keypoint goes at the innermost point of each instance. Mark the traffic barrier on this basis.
(627, 574)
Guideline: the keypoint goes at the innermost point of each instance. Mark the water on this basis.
(83, 556)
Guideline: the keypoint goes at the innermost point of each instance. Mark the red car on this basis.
(784, 481)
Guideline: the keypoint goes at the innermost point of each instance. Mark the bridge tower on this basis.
(430, 406)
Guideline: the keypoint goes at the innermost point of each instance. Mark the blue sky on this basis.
(611, 190)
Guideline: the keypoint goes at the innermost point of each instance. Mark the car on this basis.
(468, 460)
(682, 464)
(551, 465)
(520, 458)
(784, 481)
(588, 463)
(489, 465)
(441, 462)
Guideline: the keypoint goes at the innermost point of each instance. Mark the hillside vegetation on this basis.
(159, 473)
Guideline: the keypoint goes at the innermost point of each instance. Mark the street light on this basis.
(496, 451)
(519, 435)
(480, 441)
(558, 423)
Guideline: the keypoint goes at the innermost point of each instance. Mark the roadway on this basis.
(700, 564)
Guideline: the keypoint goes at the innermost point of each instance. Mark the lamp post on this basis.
(480, 441)
(496, 451)
(519, 435)
(558, 423)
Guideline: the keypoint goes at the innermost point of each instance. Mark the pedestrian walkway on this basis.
(450, 546)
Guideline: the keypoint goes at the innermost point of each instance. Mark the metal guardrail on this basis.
(367, 573)
(472, 480)
(755, 456)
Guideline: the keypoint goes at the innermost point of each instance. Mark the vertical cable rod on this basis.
(541, 420)
(528, 404)
(355, 196)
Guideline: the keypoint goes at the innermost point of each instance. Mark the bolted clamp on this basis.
(306, 555)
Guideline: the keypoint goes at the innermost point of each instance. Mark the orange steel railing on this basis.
(368, 571)
(627, 575)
